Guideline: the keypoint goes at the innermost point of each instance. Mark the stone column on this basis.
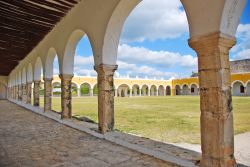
(245, 91)
(91, 92)
(126, 92)
(66, 97)
(139, 92)
(217, 137)
(189, 91)
(36, 93)
(116, 92)
(20, 92)
(29, 87)
(130, 93)
(149, 92)
(47, 94)
(157, 92)
(16, 92)
(24, 91)
(79, 92)
(120, 92)
(105, 97)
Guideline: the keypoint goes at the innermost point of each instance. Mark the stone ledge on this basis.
(164, 151)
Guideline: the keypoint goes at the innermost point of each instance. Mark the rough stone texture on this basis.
(66, 96)
(28, 140)
(36, 93)
(16, 92)
(24, 93)
(240, 66)
(47, 94)
(20, 92)
(29, 88)
(105, 97)
(217, 140)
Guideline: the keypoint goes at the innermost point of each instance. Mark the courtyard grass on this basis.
(170, 119)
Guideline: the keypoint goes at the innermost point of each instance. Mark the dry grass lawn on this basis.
(170, 119)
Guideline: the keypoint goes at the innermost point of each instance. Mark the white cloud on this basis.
(140, 61)
(84, 61)
(141, 55)
(84, 66)
(243, 37)
(134, 70)
(85, 72)
(244, 54)
(242, 49)
(155, 19)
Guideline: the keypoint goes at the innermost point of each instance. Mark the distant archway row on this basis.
(122, 90)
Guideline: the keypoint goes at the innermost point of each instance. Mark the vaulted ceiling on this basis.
(23, 24)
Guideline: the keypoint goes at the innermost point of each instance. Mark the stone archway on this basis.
(177, 90)
(185, 90)
(85, 89)
(153, 90)
(248, 88)
(161, 90)
(194, 89)
(168, 90)
(238, 89)
(136, 90)
(123, 90)
(144, 90)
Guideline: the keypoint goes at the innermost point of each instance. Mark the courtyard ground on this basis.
(31, 140)
(169, 119)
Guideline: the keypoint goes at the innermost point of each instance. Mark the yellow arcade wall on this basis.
(79, 80)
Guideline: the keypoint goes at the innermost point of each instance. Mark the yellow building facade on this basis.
(240, 84)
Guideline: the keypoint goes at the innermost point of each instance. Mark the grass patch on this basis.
(170, 119)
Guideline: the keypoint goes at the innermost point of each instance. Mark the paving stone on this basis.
(31, 140)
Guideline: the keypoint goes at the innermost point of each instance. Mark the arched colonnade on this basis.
(212, 26)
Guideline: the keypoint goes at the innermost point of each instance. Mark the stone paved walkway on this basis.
(31, 140)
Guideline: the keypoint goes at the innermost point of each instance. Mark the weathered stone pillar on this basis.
(139, 92)
(105, 97)
(217, 137)
(130, 93)
(24, 91)
(15, 92)
(47, 94)
(12, 92)
(36, 93)
(116, 92)
(157, 92)
(20, 92)
(29, 87)
(66, 97)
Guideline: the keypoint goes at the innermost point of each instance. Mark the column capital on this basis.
(66, 76)
(209, 41)
(37, 82)
(48, 79)
(105, 69)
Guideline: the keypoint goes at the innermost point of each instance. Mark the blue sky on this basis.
(154, 44)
